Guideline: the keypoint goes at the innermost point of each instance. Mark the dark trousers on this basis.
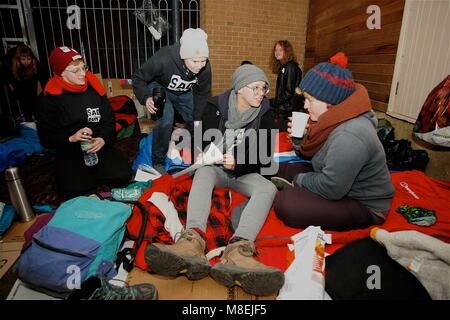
(74, 178)
(299, 208)
(162, 132)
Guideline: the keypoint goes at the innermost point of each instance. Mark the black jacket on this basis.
(167, 68)
(215, 115)
(289, 77)
(60, 116)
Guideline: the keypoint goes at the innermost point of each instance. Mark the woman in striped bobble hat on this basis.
(347, 185)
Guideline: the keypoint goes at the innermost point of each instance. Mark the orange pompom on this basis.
(340, 59)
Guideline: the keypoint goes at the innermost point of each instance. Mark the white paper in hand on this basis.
(210, 156)
(146, 173)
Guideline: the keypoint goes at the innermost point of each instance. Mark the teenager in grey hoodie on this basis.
(184, 72)
(348, 185)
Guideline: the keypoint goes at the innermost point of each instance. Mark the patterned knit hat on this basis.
(330, 81)
(60, 58)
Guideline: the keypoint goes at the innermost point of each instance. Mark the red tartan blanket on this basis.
(412, 188)
(219, 227)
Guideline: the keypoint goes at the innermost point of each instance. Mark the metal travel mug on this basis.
(159, 99)
(17, 194)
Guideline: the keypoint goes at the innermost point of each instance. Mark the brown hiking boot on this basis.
(239, 267)
(186, 256)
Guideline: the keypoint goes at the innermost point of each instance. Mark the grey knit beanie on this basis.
(246, 74)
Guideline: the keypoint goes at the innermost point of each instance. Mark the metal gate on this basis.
(107, 32)
(110, 36)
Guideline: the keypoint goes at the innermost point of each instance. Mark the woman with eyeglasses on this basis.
(237, 119)
(74, 109)
(348, 185)
(284, 63)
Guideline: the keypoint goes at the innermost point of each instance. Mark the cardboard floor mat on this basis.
(181, 288)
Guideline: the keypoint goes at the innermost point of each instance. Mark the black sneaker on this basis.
(100, 289)
(281, 183)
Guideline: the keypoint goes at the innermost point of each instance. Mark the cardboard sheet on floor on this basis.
(7, 259)
(181, 288)
(15, 233)
(11, 245)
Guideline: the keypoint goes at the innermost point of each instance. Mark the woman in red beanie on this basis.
(348, 185)
(74, 109)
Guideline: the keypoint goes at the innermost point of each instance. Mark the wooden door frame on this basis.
(398, 60)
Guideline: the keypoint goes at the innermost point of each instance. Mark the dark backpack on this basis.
(400, 156)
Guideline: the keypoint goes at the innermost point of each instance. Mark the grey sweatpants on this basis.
(260, 191)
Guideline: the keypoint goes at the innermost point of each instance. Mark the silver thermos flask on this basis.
(17, 194)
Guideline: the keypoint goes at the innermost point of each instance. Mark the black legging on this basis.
(74, 178)
(299, 208)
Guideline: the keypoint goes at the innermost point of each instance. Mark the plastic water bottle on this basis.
(90, 159)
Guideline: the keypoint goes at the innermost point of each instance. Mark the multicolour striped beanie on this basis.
(330, 81)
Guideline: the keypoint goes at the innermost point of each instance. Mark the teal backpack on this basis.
(81, 240)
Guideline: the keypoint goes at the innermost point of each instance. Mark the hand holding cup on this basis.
(299, 124)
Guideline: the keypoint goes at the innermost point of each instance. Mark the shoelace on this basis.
(247, 249)
(112, 292)
(178, 235)
(187, 234)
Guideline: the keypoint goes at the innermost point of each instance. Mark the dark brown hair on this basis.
(19, 72)
(289, 55)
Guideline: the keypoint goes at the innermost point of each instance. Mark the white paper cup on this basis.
(299, 121)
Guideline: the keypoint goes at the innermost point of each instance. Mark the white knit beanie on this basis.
(193, 44)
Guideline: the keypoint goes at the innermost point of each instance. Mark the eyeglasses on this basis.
(78, 70)
(256, 90)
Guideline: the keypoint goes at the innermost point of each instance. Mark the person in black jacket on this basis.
(185, 73)
(74, 108)
(284, 63)
(237, 119)
(22, 78)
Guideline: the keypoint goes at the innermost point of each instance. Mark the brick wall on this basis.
(246, 30)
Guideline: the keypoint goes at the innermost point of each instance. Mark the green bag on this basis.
(416, 215)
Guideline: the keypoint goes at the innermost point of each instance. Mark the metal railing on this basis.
(114, 42)
(12, 24)
(110, 36)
